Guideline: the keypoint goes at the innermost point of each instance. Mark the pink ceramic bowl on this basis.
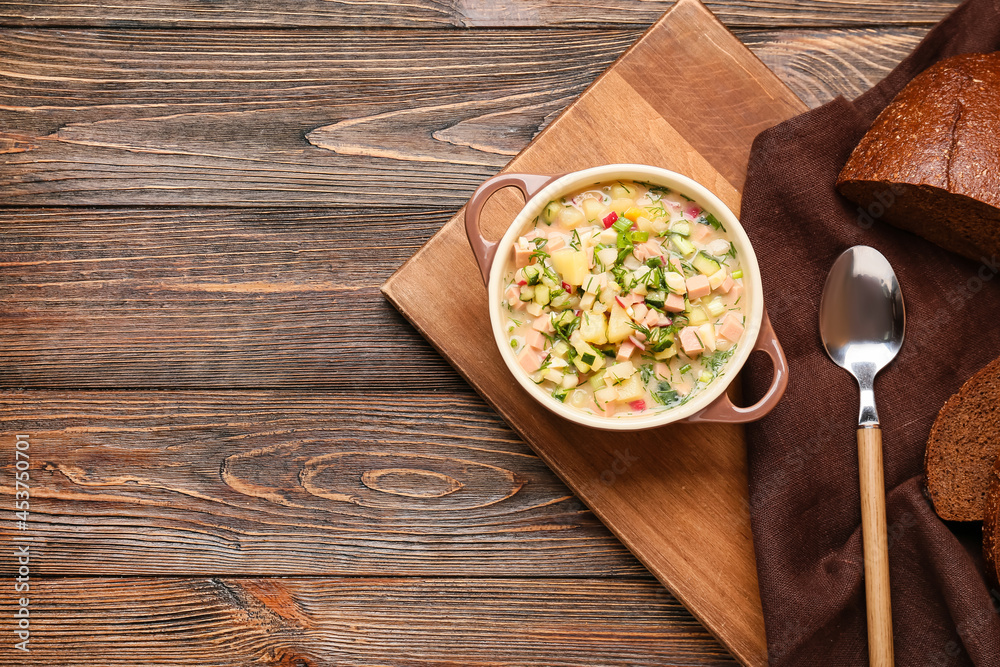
(712, 404)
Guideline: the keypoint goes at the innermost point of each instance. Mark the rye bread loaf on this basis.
(991, 545)
(963, 445)
(930, 163)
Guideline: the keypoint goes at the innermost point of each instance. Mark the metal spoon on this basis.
(861, 322)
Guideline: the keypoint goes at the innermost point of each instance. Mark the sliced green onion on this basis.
(738, 273)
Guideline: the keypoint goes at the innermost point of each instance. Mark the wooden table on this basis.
(226, 420)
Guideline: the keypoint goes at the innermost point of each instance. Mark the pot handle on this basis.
(723, 410)
(485, 251)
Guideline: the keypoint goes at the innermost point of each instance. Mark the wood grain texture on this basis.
(325, 622)
(291, 483)
(419, 118)
(651, 488)
(211, 298)
(459, 13)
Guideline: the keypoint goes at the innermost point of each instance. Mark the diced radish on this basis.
(664, 320)
(692, 211)
(637, 406)
(568, 288)
(636, 343)
(610, 219)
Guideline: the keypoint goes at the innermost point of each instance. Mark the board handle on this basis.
(723, 410)
(486, 251)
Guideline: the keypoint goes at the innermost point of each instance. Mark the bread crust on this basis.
(930, 163)
(963, 446)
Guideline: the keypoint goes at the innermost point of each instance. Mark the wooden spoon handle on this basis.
(876, 547)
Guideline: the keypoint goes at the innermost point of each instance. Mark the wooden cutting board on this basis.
(688, 96)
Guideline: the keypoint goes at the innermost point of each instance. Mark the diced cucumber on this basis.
(542, 295)
(597, 379)
(563, 319)
(684, 247)
(588, 358)
(560, 394)
(681, 228)
(639, 237)
(656, 298)
(527, 293)
(560, 300)
(705, 377)
(696, 315)
(550, 212)
(705, 264)
(532, 274)
(560, 348)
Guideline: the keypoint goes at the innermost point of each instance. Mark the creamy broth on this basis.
(625, 298)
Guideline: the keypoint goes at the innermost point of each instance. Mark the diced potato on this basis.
(608, 236)
(606, 395)
(646, 225)
(592, 210)
(717, 278)
(619, 373)
(594, 327)
(631, 389)
(621, 191)
(697, 316)
(607, 256)
(534, 309)
(578, 398)
(621, 204)
(569, 217)
(619, 324)
(553, 376)
(587, 302)
(571, 265)
(593, 283)
(569, 381)
(660, 226)
(706, 332)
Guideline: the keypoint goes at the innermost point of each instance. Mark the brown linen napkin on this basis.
(805, 506)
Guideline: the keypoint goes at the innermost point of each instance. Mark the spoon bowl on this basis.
(862, 322)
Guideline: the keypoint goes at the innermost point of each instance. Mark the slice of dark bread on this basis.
(930, 163)
(991, 545)
(962, 447)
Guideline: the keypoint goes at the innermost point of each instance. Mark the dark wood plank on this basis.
(291, 483)
(211, 298)
(325, 622)
(414, 118)
(467, 13)
(822, 64)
